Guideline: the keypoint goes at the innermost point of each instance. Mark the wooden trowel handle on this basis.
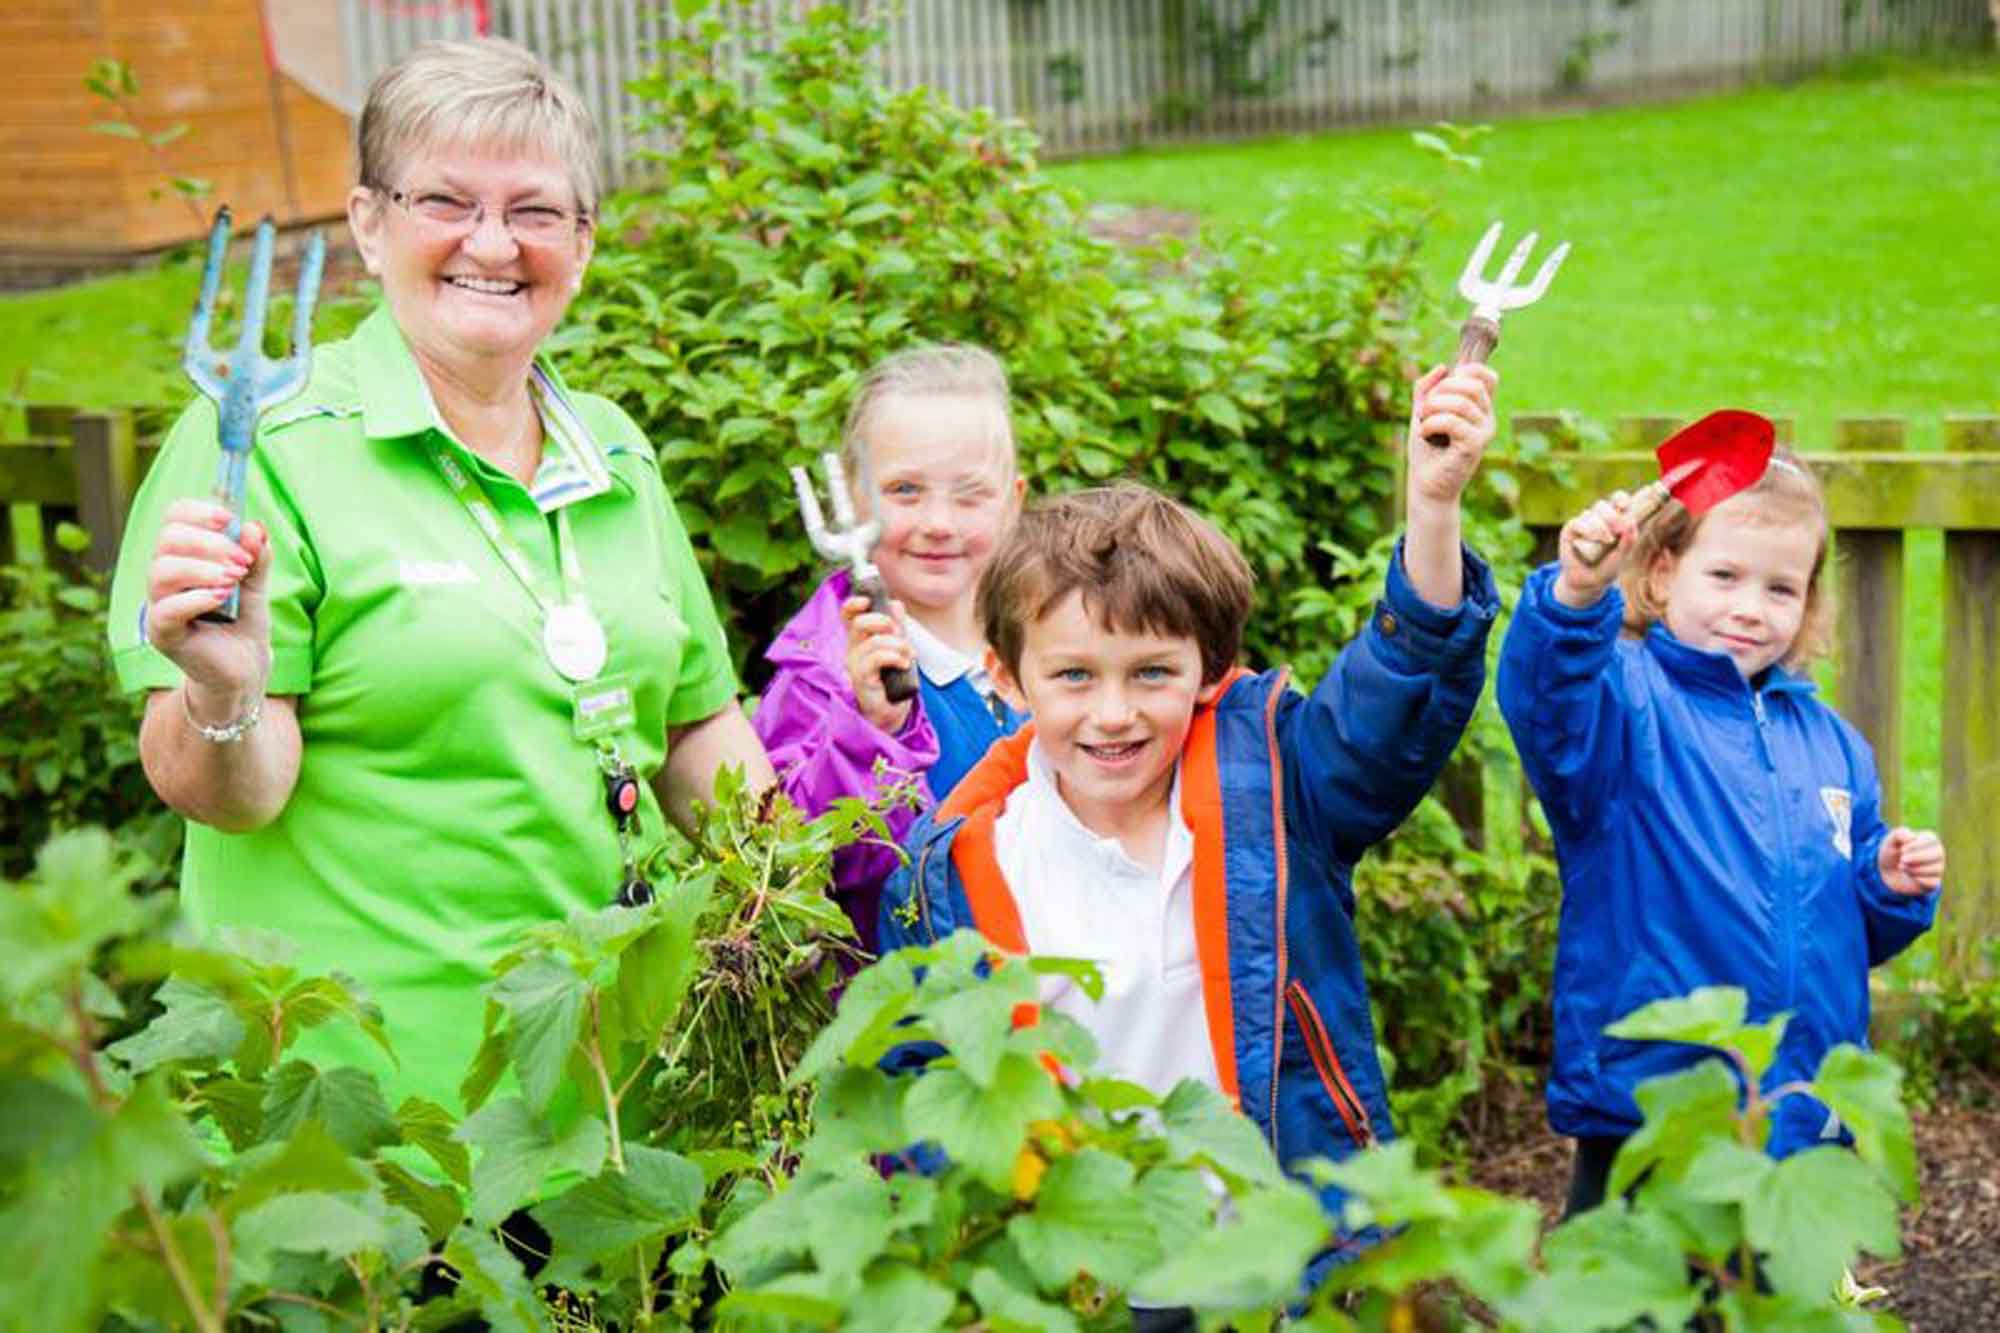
(1644, 505)
(1477, 338)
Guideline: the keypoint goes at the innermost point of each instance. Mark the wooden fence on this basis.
(86, 465)
(1102, 75)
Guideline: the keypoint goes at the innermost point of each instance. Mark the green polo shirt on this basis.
(443, 802)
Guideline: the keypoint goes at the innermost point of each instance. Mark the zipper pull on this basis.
(1763, 730)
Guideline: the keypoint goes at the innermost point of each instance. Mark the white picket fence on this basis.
(1097, 75)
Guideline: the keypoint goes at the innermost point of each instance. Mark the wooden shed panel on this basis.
(198, 62)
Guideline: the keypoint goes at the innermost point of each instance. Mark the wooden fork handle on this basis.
(1477, 338)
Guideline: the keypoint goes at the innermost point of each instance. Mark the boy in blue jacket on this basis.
(1715, 823)
(1192, 826)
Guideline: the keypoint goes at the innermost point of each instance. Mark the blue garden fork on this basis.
(242, 381)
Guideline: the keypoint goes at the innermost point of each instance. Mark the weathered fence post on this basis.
(106, 472)
(1970, 912)
(1026, 46)
(1868, 657)
(25, 539)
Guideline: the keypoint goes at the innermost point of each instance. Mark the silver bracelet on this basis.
(229, 733)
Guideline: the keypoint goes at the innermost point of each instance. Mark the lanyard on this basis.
(621, 784)
(478, 504)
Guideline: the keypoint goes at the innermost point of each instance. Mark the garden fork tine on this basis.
(243, 382)
(1490, 298)
(852, 544)
(1480, 333)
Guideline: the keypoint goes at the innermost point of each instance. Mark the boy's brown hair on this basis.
(1787, 493)
(1142, 562)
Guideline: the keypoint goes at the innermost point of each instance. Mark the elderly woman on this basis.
(469, 613)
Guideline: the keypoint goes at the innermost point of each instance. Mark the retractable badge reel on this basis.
(621, 799)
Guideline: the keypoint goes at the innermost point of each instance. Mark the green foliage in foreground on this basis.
(197, 1174)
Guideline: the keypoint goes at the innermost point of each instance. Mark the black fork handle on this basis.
(898, 683)
(1477, 338)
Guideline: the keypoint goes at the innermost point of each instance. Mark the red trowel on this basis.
(1701, 465)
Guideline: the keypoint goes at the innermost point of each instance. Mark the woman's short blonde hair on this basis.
(1787, 494)
(957, 369)
(488, 94)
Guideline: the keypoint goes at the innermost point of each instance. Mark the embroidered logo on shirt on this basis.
(434, 573)
(1839, 803)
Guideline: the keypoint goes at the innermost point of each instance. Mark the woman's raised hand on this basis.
(195, 564)
(876, 642)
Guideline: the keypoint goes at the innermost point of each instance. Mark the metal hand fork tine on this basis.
(1476, 265)
(244, 382)
(1517, 259)
(257, 293)
(287, 376)
(852, 544)
(196, 357)
(836, 485)
(1480, 333)
(816, 532)
(1543, 276)
(1490, 298)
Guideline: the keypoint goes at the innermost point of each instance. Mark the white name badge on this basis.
(574, 642)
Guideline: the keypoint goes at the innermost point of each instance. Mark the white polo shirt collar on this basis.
(943, 664)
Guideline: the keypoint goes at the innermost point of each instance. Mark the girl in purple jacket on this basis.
(933, 426)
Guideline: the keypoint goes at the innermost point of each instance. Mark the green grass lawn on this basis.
(1826, 249)
(1814, 251)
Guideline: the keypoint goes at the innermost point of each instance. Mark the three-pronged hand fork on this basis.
(852, 544)
(242, 381)
(1480, 333)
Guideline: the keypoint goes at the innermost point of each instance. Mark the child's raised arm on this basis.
(1455, 405)
(1363, 750)
(1555, 677)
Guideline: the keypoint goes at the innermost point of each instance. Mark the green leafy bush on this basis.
(69, 742)
(1052, 1198)
(815, 221)
(1945, 1029)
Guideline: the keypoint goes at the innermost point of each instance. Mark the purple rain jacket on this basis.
(824, 749)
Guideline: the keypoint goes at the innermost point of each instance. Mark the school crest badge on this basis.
(1839, 803)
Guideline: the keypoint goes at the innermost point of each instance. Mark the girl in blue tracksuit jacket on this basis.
(1715, 823)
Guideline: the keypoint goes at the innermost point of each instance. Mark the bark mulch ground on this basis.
(1948, 1280)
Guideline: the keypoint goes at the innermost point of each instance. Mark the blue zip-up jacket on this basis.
(1710, 833)
(1283, 793)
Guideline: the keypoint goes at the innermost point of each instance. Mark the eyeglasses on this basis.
(529, 224)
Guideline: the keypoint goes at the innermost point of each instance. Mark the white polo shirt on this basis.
(1081, 896)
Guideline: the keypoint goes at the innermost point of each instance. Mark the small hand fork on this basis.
(1480, 333)
(852, 545)
(242, 381)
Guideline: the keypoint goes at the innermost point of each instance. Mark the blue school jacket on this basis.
(966, 724)
(1283, 793)
(1710, 833)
